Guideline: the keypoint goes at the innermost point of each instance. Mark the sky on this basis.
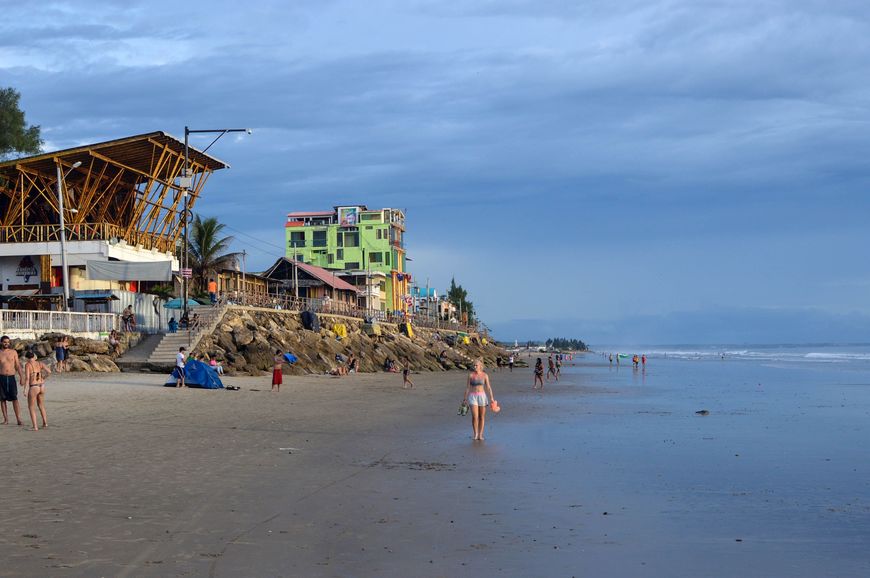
(665, 171)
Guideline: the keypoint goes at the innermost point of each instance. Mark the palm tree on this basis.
(208, 250)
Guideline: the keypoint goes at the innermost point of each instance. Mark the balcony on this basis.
(83, 232)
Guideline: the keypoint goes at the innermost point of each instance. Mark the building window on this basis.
(339, 253)
(351, 239)
(376, 257)
(383, 286)
(351, 265)
(330, 259)
(297, 239)
(387, 256)
(380, 234)
(319, 239)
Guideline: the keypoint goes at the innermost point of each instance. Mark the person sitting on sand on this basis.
(35, 373)
(214, 364)
(539, 374)
(476, 396)
(114, 344)
(351, 363)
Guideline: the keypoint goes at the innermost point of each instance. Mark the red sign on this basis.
(187, 273)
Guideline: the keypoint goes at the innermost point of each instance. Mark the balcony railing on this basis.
(82, 232)
(12, 320)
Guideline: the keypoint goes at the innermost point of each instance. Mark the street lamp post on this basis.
(186, 185)
(60, 178)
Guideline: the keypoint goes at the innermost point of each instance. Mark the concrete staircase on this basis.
(165, 351)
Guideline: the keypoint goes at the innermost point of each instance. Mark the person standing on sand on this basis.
(406, 373)
(277, 365)
(10, 366)
(35, 373)
(179, 366)
(59, 353)
(511, 362)
(539, 374)
(476, 397)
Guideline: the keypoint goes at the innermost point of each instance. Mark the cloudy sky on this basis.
(661, 171)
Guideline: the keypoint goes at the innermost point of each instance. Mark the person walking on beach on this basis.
(406, 375)
(10, 366)
(511, 362)
(476, 397)
(551, 369)
(558, 366)
(179, 366)
(539, 374)
(35, 373)
(277, 365)
(643, 359)
(635, 360)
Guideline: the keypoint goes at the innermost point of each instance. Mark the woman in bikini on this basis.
(35, 373)
(476, 397)
(539, 374)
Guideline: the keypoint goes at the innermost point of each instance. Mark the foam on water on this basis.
(854, 354)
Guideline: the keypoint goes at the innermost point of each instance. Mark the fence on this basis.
(12, 320)
(330, 307)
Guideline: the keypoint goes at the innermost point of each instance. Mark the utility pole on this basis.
(244, 273)
(295, 273)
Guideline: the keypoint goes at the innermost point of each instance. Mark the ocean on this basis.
(771, 479)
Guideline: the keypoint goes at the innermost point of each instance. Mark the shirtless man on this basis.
(9, 368)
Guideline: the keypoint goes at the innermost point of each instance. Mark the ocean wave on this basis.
(771, 355)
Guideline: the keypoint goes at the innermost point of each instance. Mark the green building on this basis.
(354, 239)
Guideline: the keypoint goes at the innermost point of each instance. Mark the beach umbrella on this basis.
(177, 303)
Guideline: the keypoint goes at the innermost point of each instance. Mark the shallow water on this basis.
(773, 482)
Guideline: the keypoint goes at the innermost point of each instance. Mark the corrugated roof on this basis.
(298, 214)
(134, 151)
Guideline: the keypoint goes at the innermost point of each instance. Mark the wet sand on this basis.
(604, 474)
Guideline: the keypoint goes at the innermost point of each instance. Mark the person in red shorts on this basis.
(277, 376)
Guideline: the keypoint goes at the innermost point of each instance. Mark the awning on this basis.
(97, 296)
(22, 294)
(129, 271)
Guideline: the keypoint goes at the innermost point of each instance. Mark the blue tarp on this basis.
(291, 358)
(197, 374)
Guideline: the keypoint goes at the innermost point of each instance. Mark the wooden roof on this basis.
(136, 152)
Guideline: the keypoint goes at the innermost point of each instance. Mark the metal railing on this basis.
(331, 307)
(61, 321)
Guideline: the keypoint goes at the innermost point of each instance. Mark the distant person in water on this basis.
(476, 396)
(643, 359)
(558, 366)
(539, 374)
(611, 359)
(635, 361)
(551, 369)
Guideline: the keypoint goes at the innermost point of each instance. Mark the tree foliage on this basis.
(566, 344)
(16, 138)
(209, 250)
(459, 297)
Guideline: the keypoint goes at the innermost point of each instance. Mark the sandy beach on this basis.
(607, 473)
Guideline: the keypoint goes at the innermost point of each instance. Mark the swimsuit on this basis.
(8, 388)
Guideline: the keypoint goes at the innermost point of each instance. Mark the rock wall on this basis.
(246, 340)
(85, 354)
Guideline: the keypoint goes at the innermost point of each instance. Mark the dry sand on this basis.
(349, 476)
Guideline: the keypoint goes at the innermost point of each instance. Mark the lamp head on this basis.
(77, 164)
(249, 131)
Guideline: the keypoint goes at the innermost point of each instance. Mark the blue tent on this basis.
(196, 374)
